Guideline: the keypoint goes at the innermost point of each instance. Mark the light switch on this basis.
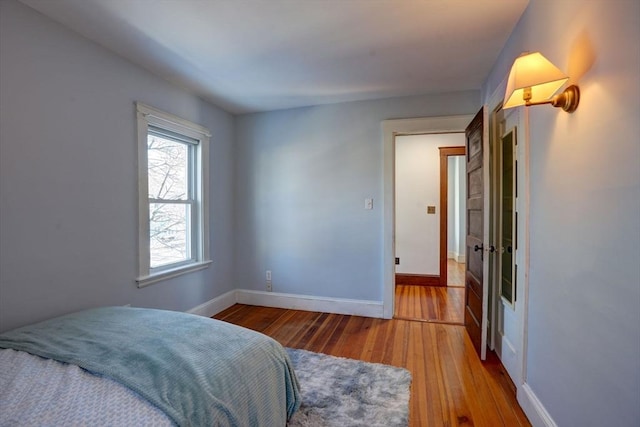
(431, 209)
(368, 204)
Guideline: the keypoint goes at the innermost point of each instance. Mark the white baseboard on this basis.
(461, 258)
(533, 408)
(311, 303)
(289, 301)
(216, 305)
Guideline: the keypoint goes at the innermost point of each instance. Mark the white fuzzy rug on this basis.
(344, 392)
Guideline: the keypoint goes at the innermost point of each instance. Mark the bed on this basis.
(134, 366)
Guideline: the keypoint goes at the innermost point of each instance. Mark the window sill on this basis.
(170, 274)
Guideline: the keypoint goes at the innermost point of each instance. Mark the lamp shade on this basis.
(532, 71)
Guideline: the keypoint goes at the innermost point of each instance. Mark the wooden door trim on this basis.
(417, 279)
(445, 153)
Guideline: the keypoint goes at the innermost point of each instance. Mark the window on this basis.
(172, 191)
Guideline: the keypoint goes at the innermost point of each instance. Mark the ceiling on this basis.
(260, 55)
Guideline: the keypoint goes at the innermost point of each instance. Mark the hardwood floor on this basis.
(430, 304)
(434, 303)
(455, 273)
(450, 386)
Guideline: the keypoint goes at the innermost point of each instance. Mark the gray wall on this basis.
(68, 180)
(302, 176)
(583, 347)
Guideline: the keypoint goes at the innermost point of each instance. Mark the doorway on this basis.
(428, 183)
(453, 194)
(390, 130)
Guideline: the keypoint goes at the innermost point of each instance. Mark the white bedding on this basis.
(35, 392)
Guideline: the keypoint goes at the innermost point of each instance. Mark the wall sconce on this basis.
(534, 80)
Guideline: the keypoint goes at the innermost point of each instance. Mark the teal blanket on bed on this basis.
(199, 371)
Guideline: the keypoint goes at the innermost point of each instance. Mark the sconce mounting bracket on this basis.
(567, 100)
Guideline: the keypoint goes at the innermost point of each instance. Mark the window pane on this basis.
(169, 231)
(168, 168)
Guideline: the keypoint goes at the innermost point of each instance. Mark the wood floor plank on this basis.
(436, 304)
(326, 328)
(415, 364)
(450, 386)
(455, 273)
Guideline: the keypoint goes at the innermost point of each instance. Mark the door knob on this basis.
(477, 248)
(492, 249)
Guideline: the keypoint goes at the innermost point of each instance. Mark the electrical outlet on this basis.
(269, 286)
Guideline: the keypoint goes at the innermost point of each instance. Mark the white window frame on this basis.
(149, 116)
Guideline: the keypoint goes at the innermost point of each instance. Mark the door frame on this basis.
(523, 219)
(391, 129)
(445, 153)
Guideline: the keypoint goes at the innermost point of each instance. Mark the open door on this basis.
(476, 291)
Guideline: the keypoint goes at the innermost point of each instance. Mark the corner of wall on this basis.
(215, 305)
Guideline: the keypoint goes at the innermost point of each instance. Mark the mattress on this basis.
(194, 370)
